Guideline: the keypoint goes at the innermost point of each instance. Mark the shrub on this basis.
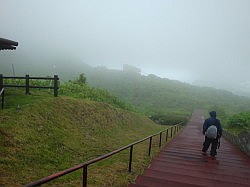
(84, 91)
(241, 120)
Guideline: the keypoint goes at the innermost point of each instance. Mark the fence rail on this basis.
(174, 129)
(27, 85)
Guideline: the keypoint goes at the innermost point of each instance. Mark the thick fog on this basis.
(201, 42)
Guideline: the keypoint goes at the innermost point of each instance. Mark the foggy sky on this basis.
(200, 42)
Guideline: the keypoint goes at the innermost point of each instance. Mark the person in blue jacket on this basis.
(207, 123)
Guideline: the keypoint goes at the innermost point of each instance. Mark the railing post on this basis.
(84, 176)
(56, 85)
(2, 99)
(1, 87)
(130, 159)
(27, 84)
(149, 147)
(171, 132)
(167, 135)
(1, 81)
(160, 139)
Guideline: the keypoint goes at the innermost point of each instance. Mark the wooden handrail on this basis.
(43, 78)
(85, 164)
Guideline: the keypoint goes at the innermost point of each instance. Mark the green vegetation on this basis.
(238, 123)
(41, 134)
(164, 99)
(83, 91)
(46, 134)
(169, 119)
(81, 80)
(77, 88)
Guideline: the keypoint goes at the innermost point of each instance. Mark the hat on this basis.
(213, 114)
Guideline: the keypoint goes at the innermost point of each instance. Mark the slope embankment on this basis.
(58, 133)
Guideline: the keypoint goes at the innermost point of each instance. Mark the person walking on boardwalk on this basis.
(212, 131)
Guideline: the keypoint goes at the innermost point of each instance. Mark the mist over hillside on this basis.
(69, 67)
(164, 100)
(203, 43)
(151, 94)
(154, 94)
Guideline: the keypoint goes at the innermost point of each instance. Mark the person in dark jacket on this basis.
(207, 123)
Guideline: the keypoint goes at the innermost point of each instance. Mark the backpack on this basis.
(211, 132)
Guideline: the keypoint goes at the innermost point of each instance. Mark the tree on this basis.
(82, 79)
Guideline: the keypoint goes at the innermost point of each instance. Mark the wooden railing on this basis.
(2, 99)
(27, 85)
(173, 130)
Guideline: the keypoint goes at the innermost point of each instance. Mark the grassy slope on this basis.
(168, 100)
(157, 96)
(57, 133)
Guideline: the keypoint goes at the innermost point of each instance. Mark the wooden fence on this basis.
(27, 85)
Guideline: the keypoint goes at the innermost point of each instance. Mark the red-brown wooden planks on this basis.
(181, 163)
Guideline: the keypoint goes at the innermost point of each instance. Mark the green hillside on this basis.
(150, 94)
(41, 134)
(163, 98)
(238, 123)
(48, 134)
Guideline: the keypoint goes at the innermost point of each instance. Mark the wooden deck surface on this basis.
(181, 163)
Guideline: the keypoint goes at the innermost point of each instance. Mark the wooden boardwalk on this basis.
(181, 163)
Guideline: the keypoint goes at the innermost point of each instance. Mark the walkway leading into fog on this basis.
(181, 163)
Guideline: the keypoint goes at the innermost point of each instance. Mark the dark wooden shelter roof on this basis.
(6, 44)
